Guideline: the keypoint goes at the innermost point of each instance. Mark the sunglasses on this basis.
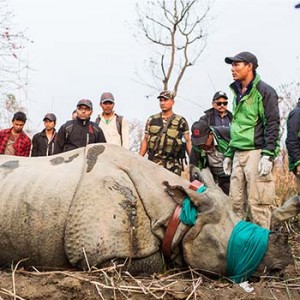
(222, 103)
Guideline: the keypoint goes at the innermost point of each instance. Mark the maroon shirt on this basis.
(21, 145)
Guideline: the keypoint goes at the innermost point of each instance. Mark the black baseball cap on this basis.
(200, 131)
(243, 56)
(49, 116)
(219, 94)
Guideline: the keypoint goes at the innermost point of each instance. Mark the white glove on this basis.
(227, 165)
(264, 166)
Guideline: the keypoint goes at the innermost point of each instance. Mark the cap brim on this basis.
(163, 97)
(230, 60)
(51, 120)
(108, 100)
(84, 105)
(199, 140)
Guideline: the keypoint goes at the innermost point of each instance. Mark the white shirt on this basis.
(111, 133)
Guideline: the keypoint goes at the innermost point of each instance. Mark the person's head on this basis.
(244, 66)
(74, 114)
(220, 101)
(18, 121)
(84, 109)
(166, 100)
(49, 121)
(107, 103)
(202, 135)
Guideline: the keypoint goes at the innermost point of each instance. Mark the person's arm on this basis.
(125, 134)
(60, 140)
(293, 139)
(34, 150)
(27, 147)
(144, 145)
(188, 143)
(272, 121)
(101, 137)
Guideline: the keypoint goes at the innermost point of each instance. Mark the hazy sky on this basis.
(84, 48)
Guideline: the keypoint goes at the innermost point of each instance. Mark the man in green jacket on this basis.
(254, 141)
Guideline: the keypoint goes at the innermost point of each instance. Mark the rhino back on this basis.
(35, 197)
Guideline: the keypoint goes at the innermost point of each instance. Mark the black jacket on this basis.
(41, 146)
(210, 116)
(78, 133)
(293, 137)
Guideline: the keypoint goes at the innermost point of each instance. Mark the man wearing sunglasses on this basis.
(218, 115)
(254, 141)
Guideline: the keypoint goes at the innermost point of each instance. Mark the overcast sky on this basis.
(84, 48)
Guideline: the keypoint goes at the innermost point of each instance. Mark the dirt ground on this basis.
(115, 283)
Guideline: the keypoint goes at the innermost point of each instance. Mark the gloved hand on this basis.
(264, 165)
(227, 165)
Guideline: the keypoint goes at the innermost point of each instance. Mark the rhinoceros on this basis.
(91, 205)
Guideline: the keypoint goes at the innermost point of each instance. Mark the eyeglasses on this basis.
(222, 103)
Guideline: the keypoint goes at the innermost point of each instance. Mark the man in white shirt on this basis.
(114, 126)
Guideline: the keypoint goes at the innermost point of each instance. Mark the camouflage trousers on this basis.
(172, 165)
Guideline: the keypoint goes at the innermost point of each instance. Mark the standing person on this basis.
(163, 136)
(14, 141)
(114, 126)
(291, 207)
(74, 114)
(79, 132)
(254, 141)
(218, 115)
(43, 142)
(209, 143)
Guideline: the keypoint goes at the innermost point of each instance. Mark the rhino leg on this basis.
(278, 255)
(136, 266)
(289, 209)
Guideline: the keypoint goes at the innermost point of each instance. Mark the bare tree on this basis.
(177, 30)
(13, 68)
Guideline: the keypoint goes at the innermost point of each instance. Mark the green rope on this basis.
(188, 214)
(247, 246)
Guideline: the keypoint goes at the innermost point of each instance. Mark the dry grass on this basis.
(284, 179)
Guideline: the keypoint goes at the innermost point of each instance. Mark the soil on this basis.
(115, 283)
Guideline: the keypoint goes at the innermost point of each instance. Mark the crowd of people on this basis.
(238, 147)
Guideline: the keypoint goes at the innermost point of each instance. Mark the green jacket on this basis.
(256, 120)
